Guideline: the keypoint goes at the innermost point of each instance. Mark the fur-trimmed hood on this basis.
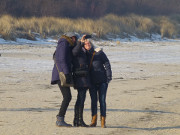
(98, 49)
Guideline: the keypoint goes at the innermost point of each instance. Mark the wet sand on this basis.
(143, 98)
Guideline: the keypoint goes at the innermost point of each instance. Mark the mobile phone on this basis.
(88, 36)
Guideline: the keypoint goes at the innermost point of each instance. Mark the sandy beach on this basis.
(143, 98)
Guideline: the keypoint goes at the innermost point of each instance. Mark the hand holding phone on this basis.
(88, 36)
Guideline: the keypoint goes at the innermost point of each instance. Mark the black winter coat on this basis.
(80, 63)
(100, 70)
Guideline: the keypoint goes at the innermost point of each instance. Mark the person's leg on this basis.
(80, 103)
(76, 116)
(102, 100)
(76, 111)
(93, 95)
(81, 96)
(64, 105)
(66, 92)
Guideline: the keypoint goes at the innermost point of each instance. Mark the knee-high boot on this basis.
(76, 116)
(81, 121)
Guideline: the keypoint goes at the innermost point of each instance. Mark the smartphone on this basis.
(88, 36)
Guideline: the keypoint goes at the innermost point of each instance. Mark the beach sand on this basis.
(142, 99)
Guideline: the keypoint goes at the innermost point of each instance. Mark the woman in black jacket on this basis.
(81, 81)
(101, 75)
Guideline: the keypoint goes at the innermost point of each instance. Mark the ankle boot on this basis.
(103, 122)
(94, 121)
(61, 123)
(76, 116)
(81, 121)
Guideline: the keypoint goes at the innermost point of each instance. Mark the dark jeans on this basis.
(66, 99)
(81, 96)
(101, 90)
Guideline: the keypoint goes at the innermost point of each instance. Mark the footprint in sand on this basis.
(158, 97)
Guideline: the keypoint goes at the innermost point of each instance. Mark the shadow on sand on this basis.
(72, 109)
(108, 110)
(148, 129)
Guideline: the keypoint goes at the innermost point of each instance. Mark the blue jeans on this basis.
(101, 90)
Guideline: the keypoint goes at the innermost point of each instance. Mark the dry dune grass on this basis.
(11, 27)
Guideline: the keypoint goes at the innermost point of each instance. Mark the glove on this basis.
(68, 78)
(109, 79)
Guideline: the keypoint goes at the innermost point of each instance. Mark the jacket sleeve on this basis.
(77, 49)
(107, 66)
(62, 52)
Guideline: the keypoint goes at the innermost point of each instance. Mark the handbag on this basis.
(63, 80)
(81, 73)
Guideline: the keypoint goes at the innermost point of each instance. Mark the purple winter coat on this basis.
(63, 56)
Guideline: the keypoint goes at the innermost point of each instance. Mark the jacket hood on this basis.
(97, 49)
(64, 38)
(61, 40)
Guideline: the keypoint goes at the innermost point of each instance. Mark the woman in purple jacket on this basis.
(63, 61)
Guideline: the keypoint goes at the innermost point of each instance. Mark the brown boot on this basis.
(94, 121)
(103, 122)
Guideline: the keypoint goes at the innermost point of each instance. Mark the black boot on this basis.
(76, 116)
(81, 122)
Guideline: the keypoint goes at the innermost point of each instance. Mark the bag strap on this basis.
(57, 68)
(91, 60)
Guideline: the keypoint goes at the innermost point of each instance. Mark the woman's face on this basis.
(73, 39)
(87, 45)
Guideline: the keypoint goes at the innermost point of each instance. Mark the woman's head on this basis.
(87, 44)
(73, 35)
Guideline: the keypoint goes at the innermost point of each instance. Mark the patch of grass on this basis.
(140, 26)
